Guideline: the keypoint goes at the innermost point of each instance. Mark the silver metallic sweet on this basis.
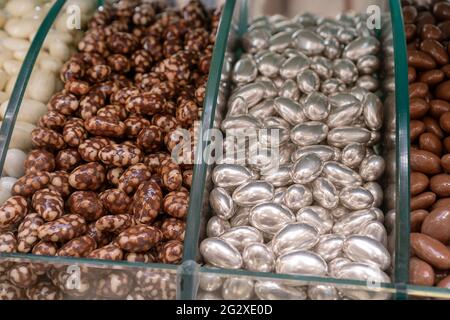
(372, 168)
(309, 133)
(317, 217)
(340, 137)
(294, 65)
(240, 237)
(364, 272)
(252, 93)
(345, 70)
(294, 236)
(297, 196)
(243, 123)
(290, 110)
(361, 46)
(270, 217)
(240, 218)
(306, 169)
(263, 109)
(341, 175)
(356, 198)
(279, 177)
(336, 264)
(258, 258)
(237, 289)
(364, 249)
(373, 111)
(325, 193)
(245, 70)
(351, 222)
(210, 281)
(376, 191)
(353, 154)
(216, 226)
(256, 40)
(269, 64)
(322, 66)
(219, 253)
(325, 153)
(280, 42)
(317, 106)
(345, 115)
(230, 175)
(374, 230)
(329, 246)
(308, 81)
(253, 193)
(301, 262)
(308, 42)
(275, 290)
(323, 292)
(221, 203)
(289, 89)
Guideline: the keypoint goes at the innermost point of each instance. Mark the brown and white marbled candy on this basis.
(116, 201)
(39, 160)
(114, 223)
(8, 242)
(63, 229)
(27, 233)
(130, 180)
(139, 257)
(147, 202)
(90, 148)
(120, 155)
(108, 252)
(67, 159)
(27, 185)
(176, 204)
(105, 126)
(49, 204)
(44, 290)
(171, 252)
(114, 174)
(74, 132)
(13, 211)
(150, 139)
(47, 138)
(173, 229)
(22, 275)
(78, 247)
(115, 285)
(139, 238)
(172, 178)
(87, 176)
(86, 204)
(59, 181)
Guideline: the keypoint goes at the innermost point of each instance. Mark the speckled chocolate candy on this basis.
(114, 223)
(150, 139)
(86, 204)
(8, 242)
(139, 238)
(122, 95)
(176, 204)
(130, 180)
(63, 229)
(187, 113)
(165, 122)
(173, 229)
(13, 211)
(22, 275)
(171, 252)
(114, 174)
(27, 234)
(77, 87)
(154, 161)
(45, 248)
(171, 175)
(101, 238)
(145, 103)
(140, 257)
(108, 252)
(113, 111)
(49, 204)
(120, 155)
(63, 103)
(147, 202)
(52, 120)
(47, 138)
(157, 285)
(44, 290)
(87, 177)
(98, 73)
(8, 291)
(116, 201)
(27, 185)
(74, 132)
(67, 159)
(114, 285)
(105, 127)
(59, 181)
(90, 148)
(134, 125)
(39, 160)
(78, 247)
